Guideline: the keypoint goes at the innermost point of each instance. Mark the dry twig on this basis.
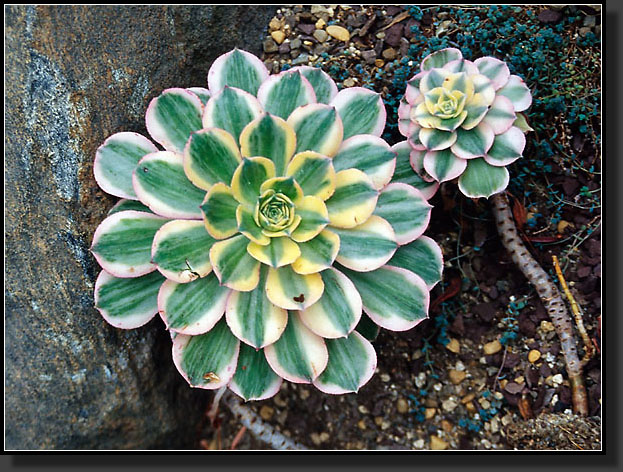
(549, 294)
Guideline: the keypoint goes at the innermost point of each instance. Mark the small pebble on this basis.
(350, 82)
(456, 376)
(557, 379)
(278, 36)
(402, 406)
(390, 54)
(362, 424)
(446, 426)
(267, 412)
(419, 444)
(449, 405)
(320, 24)
(438, 444)
(534, 355)
(321, 35)
(547, 326)
(363, 410)
(430, 413)
(384, 377)
(492, 348)
(453, 346)
(338, 32)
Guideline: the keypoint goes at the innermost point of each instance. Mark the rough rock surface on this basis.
(75, 75)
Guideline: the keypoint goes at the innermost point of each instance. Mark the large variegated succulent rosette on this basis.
(462, 120)
(264, 228)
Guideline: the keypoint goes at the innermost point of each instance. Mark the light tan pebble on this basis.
(453, 346)
(274, 24)
(390, 54)
(278, 36)
(267, 412)
(470, 407)
(446, 426)
(349, 82)
(419, 444)
(324, 436)
(378, 420)
(519, 379)
(315, 437)
(498, 395)
(468, 398)
(380, 35)
(449, 405)
(492, 348)
(320, 24)
(338, 32)
(308, 43)
(363, 410)
(557, 379)
(379, 62)
(402, 406)
(456, 376)
(562, 225)
(430, 413)
(385, 425)
(546, 326)
(484, 403)
(362, 424)
(503, 383)
(304, 394)
(279, 401)
(438, 444)
(385, 377)
(534, 355)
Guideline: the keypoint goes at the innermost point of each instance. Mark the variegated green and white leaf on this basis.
(507, 147)
(299, 355)
(161, 184)
(367, 328)
(404, 172)
(192, 308)
(362, 111)
(127, 303)
(318, 253)
(181, 250)
(517, 92)
(123, 205)
(423, 257)
(354, 199)
(324, 86)
(254, 379)
(436, 139)
(211, 156)
(239, 69)
(522, 123)
(352, 362)
(395, 298)
(269, 136)
(291, 291)
(122, 243)
(501, 115)
(202, 93)
(172, 116)
(338, 311)
(474, 142)
(249, 177)
(253, 318)
(314, 173)
(444, 165)
(219, 211)
(280, 94)
(405, 209)
(207, 360)
(116, 159)
(318, 128)
(371, 155)
(231, 109)
(314, 217)
(233, 265)
(481, 179)
(367, 246)
(278, 252)
(248, 226)
(441, 58)
(478, 106)
(494, 69)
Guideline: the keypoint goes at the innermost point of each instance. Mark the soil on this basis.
(485, 371)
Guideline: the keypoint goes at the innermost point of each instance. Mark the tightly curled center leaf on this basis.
(274, 211)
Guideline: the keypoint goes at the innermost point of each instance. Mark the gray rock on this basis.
(75, 75)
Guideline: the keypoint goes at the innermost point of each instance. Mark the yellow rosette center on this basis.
(274, 212)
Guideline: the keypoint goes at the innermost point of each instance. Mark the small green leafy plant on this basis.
(271, 219)
(462, 120)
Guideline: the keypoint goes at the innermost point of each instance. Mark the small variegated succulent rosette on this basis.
(264, 229)
(462, 120)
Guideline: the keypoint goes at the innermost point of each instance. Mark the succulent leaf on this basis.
(371, 155)
(254, 379)
(362, 111)
(404, 171)
(423, 257)
(219, 211)
(481, 179)
(354, 199)
(324, 86)
(318, 128)
(192, 308)
(233, 265)
(314, 173)
(291, 291)
(231, 110)
(127, 303)
(317, 253)
(239, 69)
(280, 94)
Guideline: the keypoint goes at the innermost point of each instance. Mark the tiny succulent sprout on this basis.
(463, 120)
(265, 221)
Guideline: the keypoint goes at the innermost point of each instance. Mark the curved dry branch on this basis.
(261, 430)
(549, 294)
